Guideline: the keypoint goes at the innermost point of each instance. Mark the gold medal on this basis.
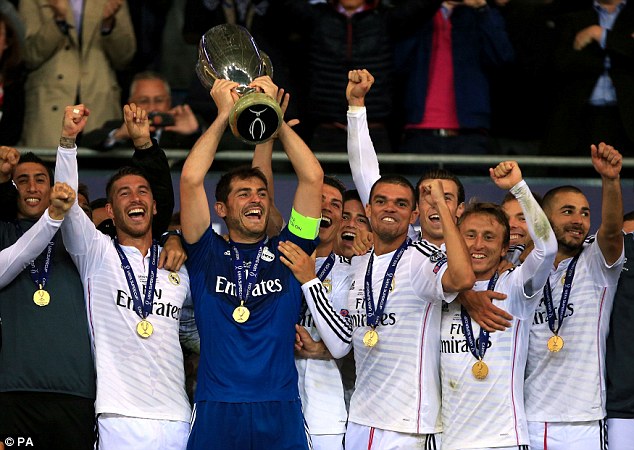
(144, 329)
(241, 313)
(41, 297)
(480, 370)
(555, 343)
(371, 338)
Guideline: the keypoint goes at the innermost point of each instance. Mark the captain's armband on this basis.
(302, 226)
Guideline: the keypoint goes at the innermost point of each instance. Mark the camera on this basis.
(161, 119)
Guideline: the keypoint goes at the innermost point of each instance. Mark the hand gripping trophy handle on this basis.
(229, 52)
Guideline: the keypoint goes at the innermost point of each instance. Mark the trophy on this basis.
(229, 52)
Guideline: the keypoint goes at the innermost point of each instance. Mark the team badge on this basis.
(436, 256)
(328, 285)
(267, 255)
(174, 278)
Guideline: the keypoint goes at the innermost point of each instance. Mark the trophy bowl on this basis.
(229, 52)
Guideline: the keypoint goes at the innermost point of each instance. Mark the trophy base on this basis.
(255, 118)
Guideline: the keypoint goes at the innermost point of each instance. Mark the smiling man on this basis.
(482, 371)
(565, 383)
(247, 303)
(47, 387)
(135, 307)
(394, 305)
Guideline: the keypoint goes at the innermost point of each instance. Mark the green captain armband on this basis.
(302, 226)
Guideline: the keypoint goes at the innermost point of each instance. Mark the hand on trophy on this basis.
(224, 95)
(265, 84)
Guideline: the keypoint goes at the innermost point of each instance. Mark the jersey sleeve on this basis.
(187, 331)
(535, 270)
(426, 270)
(335, 330)
(364, 163)
(85, 244)
(29, 246)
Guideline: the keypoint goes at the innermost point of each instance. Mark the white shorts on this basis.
(361, 437)
(132, 433)
(621, 434)
(568, 435)
(327, 441)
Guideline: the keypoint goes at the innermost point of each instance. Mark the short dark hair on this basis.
(240, 173)
(550, 195)
(442, 174)
(82, 189)
(335, 182)
(98, 203)
(123, 172)
(352, 194)
(30, 157)
(492, 210)
(398, 180)
(628, 216)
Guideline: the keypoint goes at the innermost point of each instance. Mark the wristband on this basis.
(169, 233)
(302, 226)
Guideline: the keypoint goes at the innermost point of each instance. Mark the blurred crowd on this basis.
(452, 77)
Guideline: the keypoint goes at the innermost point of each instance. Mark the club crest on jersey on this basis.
(267, 255)
(227, 253)
(436, 256)
(328, 285)
(174, 278)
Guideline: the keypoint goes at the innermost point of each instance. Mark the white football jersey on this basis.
(569, 386)
(398, 382)
(320, 384)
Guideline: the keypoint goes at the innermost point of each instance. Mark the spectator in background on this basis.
(594, 64)
(151, 91)
(444, 72)
(343, 35)
(11, 79)
(72, 50)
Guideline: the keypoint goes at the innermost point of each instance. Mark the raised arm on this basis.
(195, 215)
(459, 274)
(15, 258)
(364, 163)
(607, 161)
(9, 158)
(85, 244)
(536, 268)
(150, 158)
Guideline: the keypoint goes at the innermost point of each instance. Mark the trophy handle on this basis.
(266, 62)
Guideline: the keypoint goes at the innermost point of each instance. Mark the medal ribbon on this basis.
(142, 308)
(39, 275)
(323, 272)
(565, 296)
(479, 348)
(252, 274)
(374, 313)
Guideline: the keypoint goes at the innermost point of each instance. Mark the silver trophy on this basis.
(229, 52)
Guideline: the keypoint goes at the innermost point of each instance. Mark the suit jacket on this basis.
(578, 71)
(97, 138)
(64, 67)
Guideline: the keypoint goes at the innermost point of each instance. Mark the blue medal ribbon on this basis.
(374, 313)
(239, 270)
(324, 270)
(477, 348)
(326, 267)
(565, 296)
(143, 308)
(39, 275)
